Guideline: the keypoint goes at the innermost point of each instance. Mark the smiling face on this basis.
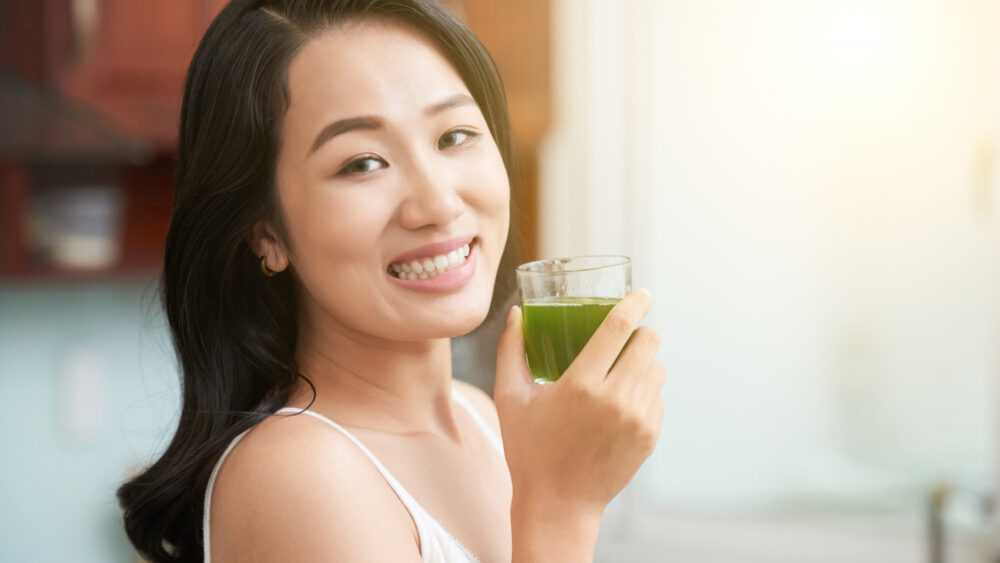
(387, 177)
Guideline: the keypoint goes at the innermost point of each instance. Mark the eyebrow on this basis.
(343, 126)
(371, 122)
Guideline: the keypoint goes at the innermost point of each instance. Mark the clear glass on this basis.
(563, 301)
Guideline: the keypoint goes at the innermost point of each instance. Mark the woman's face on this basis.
(387, 177)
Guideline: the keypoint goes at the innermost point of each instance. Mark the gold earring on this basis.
(263, 267)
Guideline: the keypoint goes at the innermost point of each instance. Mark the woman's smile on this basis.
(341, 212)
(387, 161)
(433, 273)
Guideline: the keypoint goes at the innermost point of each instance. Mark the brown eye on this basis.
(456, 137)
(363, 165)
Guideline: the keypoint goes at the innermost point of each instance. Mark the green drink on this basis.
(563, 301)
(557, 328)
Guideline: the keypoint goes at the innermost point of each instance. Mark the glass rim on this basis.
(622, 260)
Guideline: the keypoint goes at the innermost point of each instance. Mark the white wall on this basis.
(810, 189)
(67, 444)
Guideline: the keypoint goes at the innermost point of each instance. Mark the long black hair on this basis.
(234, 329)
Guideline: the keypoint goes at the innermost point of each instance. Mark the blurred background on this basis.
(809, 188)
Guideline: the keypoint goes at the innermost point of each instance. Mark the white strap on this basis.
(207, 508)
(488, 431)
(411, 504)
(421, 518)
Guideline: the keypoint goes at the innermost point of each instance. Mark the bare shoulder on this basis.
(481, 401)
(296, 489)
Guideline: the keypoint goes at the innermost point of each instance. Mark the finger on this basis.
(599, 354)
(649, 391)
(656, 418)
(513, 378)
(634, 361)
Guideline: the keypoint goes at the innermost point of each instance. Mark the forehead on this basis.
(367, 67)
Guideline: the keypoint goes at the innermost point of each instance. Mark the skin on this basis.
(379, 353)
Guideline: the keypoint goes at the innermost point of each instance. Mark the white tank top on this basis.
(436, 544)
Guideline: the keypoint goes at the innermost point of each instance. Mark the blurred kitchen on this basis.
(809, 187)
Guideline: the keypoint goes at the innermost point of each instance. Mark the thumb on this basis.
(513, 379)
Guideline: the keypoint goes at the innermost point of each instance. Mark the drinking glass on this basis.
(563, 301)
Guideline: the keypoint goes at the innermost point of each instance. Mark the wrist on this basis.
(545, 528)
(542, 506)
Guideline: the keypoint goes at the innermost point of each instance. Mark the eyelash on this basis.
(470, 134)
(346, 170)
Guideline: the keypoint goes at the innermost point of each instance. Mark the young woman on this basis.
(342, 211)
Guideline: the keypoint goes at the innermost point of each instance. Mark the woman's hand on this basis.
(574, 444)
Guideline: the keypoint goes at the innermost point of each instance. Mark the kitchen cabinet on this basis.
(91, 91)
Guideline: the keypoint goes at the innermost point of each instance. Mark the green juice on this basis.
(556, 329)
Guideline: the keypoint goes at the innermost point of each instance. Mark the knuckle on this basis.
(501, 395)
(659, 373)
(632, 422)
(649, 437)
(578, 390)
(621, 401)
(651, 429)
(648, 336)
(612, 403)
(618, 323)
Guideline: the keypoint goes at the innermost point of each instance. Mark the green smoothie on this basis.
(556, 329)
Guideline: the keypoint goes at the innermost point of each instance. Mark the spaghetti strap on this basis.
(437, 545)
(487, 430)
(207, 505)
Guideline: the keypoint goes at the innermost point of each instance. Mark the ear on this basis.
(265, 242)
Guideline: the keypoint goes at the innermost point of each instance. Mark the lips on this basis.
(431, 258)
(433, 249)
(451, 269)
(431, 266)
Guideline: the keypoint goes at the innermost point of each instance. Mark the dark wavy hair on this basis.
(234, 330)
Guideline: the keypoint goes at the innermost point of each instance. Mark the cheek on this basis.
(334, 256)
(333, 236)
(492, 186)
(499, 197)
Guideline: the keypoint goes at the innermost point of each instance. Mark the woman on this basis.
(342, 210)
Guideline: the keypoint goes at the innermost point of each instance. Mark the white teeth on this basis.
(430, 267)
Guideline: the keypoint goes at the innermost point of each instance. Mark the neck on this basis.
(365, 382)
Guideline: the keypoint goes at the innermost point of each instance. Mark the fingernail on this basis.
(514, 311)
(647, 292)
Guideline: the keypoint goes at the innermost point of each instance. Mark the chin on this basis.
(456, 323)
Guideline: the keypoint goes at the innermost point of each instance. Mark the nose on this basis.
(432, 197)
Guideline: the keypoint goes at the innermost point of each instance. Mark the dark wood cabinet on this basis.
(90, 96)
(129, 59)
(91, 91)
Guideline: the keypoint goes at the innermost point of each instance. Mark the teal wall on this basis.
(57, 486)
